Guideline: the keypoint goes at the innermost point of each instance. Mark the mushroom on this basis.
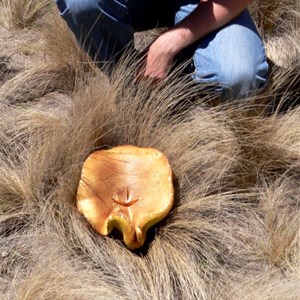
(128, 188)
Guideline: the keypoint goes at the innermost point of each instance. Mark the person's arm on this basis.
(208, 16)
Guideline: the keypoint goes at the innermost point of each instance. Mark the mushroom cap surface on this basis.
(128, 188)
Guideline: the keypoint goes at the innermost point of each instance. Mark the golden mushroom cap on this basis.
(126, 187)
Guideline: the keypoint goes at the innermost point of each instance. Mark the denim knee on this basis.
(235, 82)
(242, 80)
(232, 58)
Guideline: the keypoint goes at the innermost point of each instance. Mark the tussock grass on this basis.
(269, 15)
(36, 82)
(20, 14)
(58, 62)
(234, 230)
(60, 47)
(289, 45)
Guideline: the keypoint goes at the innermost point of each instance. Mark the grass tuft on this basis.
(21, 14)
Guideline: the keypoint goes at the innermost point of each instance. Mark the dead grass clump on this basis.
(270, 14)
(284, 49)
(60, 47)
(35, 82)
(280, 209)
(269, 146)
(76, 281)
(20, 14)
(58, 61)
(274, 242)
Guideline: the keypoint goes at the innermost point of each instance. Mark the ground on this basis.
(234, 230)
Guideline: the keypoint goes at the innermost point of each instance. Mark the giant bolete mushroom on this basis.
(128, 188)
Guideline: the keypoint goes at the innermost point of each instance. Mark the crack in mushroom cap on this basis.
(128, 188)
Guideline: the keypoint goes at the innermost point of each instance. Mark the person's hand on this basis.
(159, 58)
(158, 61)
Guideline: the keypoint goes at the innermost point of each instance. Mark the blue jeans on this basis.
(232, 57)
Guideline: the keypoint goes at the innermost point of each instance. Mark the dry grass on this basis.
(53, 61)
(273, 17)
(23, 13)
(234, 230)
